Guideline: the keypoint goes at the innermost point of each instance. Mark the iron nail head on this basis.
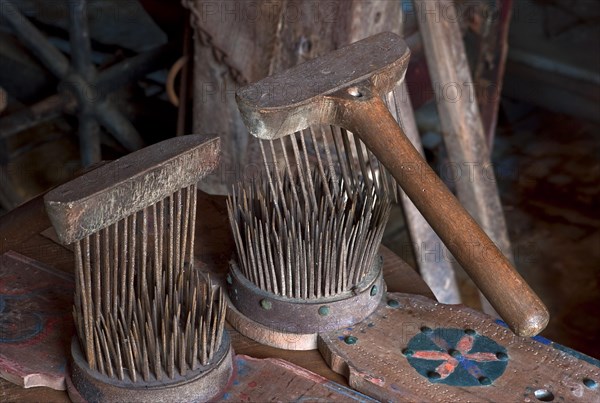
(350, 340)
(393, 303)
(266, 304)
(426, 330)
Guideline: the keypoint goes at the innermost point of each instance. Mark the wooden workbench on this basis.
(20, 230)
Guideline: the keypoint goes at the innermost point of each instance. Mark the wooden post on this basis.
(460, 119)
(438, 272)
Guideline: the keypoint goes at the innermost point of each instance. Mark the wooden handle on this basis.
(362, 112)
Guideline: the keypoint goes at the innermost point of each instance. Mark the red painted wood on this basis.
(35, 322)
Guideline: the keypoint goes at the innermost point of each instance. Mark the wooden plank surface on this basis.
(270, 379)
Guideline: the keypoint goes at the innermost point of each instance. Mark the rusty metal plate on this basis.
(304, 316)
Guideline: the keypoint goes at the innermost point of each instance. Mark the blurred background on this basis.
(160, 68)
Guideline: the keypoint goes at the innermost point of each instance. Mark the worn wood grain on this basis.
(311, 359)
(47, 251)
(12, 232)
(305, 95)
(273, 379)
(400, 277)
(491, 62)
(415, 349)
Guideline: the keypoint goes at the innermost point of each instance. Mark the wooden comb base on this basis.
(203, 384)
(268, 335)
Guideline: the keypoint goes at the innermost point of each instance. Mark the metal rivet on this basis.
(354, 92)
(502, 356)
(229, 279)
(543, 395)
(470, 332)
(350, 340)
(408, 352)
(484, 380)
(590, 383)
(266, 304)
(454, 353)
(393, 303)
(374, 290)
(426, 330)
(324, 310)
(433, 375)
(304, 46)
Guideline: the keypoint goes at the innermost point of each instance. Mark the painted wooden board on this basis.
(415, 349)
(35, 316)
(277, 380)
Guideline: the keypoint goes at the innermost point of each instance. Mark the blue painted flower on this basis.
(456, 357)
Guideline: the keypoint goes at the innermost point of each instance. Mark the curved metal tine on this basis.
(342, 160)
(320, 167)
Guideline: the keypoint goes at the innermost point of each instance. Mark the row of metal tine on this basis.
(310, 226)
(140, 307)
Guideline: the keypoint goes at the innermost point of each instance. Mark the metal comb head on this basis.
(144, 316)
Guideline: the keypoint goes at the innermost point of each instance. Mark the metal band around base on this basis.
(203, 384)
(307, 316)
